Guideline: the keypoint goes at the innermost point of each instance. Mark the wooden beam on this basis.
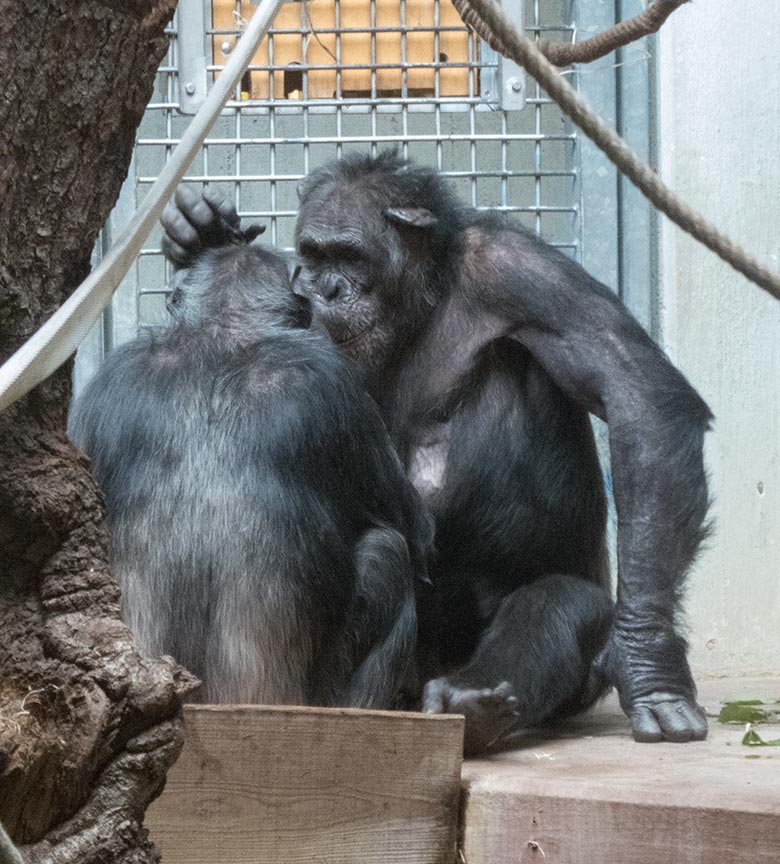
(261, 785)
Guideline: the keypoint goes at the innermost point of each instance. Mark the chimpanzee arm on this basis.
(364, 477)
(602, 359)
(382, 619)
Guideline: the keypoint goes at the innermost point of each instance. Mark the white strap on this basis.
(61, 335)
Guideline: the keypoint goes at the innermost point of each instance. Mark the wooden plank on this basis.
(355, 47)
(311, 786)
(589, 793)
(454, 48)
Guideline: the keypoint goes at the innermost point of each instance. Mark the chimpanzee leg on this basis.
(532, 663)
(383, 620)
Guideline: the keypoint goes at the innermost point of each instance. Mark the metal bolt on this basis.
(189, 89)
(516, 85)
(226, 47)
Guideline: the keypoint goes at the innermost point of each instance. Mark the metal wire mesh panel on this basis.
(334, 77)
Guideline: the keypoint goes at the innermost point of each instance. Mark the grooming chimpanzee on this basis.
(486, 349)
(258, 514)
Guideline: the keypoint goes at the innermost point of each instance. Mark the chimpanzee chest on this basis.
(455, 421)
(448, 380)
(463, 443)
(436, 394)
(506, 464)
(427, 466)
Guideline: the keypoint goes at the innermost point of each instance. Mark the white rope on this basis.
(62, 334)
(9, 854)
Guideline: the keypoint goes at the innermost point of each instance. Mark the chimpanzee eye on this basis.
(332, 251)
(345, 252)
(310, 250)
(349, 253)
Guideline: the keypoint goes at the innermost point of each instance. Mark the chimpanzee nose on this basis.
(333, 285)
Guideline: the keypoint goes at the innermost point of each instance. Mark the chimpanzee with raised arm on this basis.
(486, 350)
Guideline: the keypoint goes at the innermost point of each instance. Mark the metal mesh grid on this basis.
(520, 161)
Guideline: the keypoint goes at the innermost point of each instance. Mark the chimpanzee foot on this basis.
(490, 712)
(667, 717)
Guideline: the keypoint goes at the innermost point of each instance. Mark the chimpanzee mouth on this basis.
(343, 339)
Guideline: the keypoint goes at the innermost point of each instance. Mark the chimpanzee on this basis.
(260, 522)
(486, 350)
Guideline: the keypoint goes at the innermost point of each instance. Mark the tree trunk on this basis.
(88, 726)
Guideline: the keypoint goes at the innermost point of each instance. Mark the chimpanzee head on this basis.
(240, 292)
(375, 237)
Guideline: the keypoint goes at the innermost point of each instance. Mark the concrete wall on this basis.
(719, 127)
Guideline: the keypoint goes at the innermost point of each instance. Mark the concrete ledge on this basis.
(587, 794)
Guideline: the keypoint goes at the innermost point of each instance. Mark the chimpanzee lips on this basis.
(347, 337)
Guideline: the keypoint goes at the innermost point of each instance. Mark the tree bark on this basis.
(88, 726)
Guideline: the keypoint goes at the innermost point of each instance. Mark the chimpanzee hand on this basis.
(198, 219)
(490, 712)
(650, 671)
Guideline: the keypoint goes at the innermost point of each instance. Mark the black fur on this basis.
(486, 349)
(258, 514)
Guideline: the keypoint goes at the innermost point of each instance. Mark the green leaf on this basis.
(751, 738)
(742, 712)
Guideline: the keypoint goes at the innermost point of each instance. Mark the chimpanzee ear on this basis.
(303, 187)
(412, 217)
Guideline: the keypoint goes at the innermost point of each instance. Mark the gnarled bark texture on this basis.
(88, 726)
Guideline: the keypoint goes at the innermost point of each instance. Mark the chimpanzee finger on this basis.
(644, 725)
(222, 205)
(506, 707)
(195, 208)
(433, 696)
(673, 722)
(251, 232)
(681, 721)
(178, 228)
(499, 700)
(176, 254)
(697, 720)
(211, 227)
(495, 695)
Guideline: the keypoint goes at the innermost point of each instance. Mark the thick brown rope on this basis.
(565, 53)
(524, 52)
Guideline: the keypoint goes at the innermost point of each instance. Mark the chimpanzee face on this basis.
(357, 268)
(342, 276)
